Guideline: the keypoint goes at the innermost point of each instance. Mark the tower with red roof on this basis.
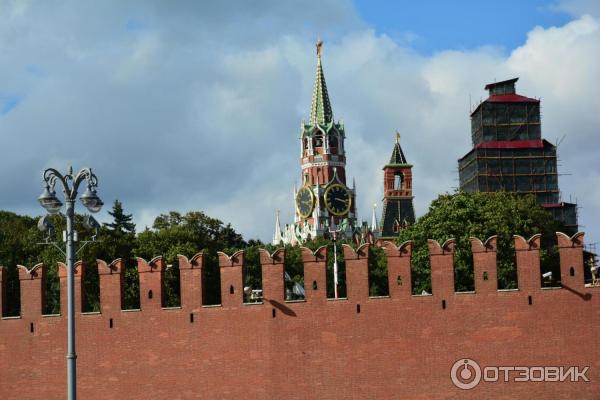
(509, 153)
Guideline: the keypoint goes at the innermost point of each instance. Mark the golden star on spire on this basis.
(319, 45)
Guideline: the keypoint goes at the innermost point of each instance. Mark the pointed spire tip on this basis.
(397, 154)
(320, 110)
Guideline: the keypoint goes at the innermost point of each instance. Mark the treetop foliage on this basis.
(171, 234)
(122, 223)
(464, 215)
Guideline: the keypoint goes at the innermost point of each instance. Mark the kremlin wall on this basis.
(439, 345)
(398, 346)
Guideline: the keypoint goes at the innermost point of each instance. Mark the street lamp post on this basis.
(53, 205)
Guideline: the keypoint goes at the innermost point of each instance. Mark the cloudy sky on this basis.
(194, 105)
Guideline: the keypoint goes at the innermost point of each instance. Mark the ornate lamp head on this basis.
(91, 200)
(49, 201)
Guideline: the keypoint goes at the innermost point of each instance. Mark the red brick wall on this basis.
(398, 347)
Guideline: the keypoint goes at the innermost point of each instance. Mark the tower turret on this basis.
(398, 211)
(277, 236)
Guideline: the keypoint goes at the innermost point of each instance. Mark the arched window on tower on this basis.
(398, 180)
(396, 226)
(333, 142)
(318, 141)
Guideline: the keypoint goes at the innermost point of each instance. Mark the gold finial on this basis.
(397, 137)
(319, 45)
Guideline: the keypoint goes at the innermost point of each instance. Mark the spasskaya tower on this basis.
(323, 200)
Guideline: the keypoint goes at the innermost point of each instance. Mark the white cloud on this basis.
(190, 107)
(579, 8)
(560, 65)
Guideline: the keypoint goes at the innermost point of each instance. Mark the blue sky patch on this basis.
(7, 103)
(35, 70)
(432, 25)
(134, 25)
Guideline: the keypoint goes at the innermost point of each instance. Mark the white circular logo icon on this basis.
(465, 374)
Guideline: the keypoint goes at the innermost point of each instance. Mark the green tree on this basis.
(20, 244)
(17, 245)
(174, 234)
(122, 223)
(481, 215)
(378, 272)
(171, 234)
(115, 240)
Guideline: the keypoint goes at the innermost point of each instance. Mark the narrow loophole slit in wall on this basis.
(150, 294)
(231, 291)
(358, 308)
(191, 318)
(443, 304)
(274, 312)
(530, 300)
(110, 323)
(31, 327)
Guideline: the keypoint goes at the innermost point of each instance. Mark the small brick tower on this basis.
(398, 210)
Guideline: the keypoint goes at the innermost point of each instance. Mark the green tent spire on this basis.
(320, 110)
(397, 157)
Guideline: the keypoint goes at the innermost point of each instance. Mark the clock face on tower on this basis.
(305, 201)
(337, 199)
